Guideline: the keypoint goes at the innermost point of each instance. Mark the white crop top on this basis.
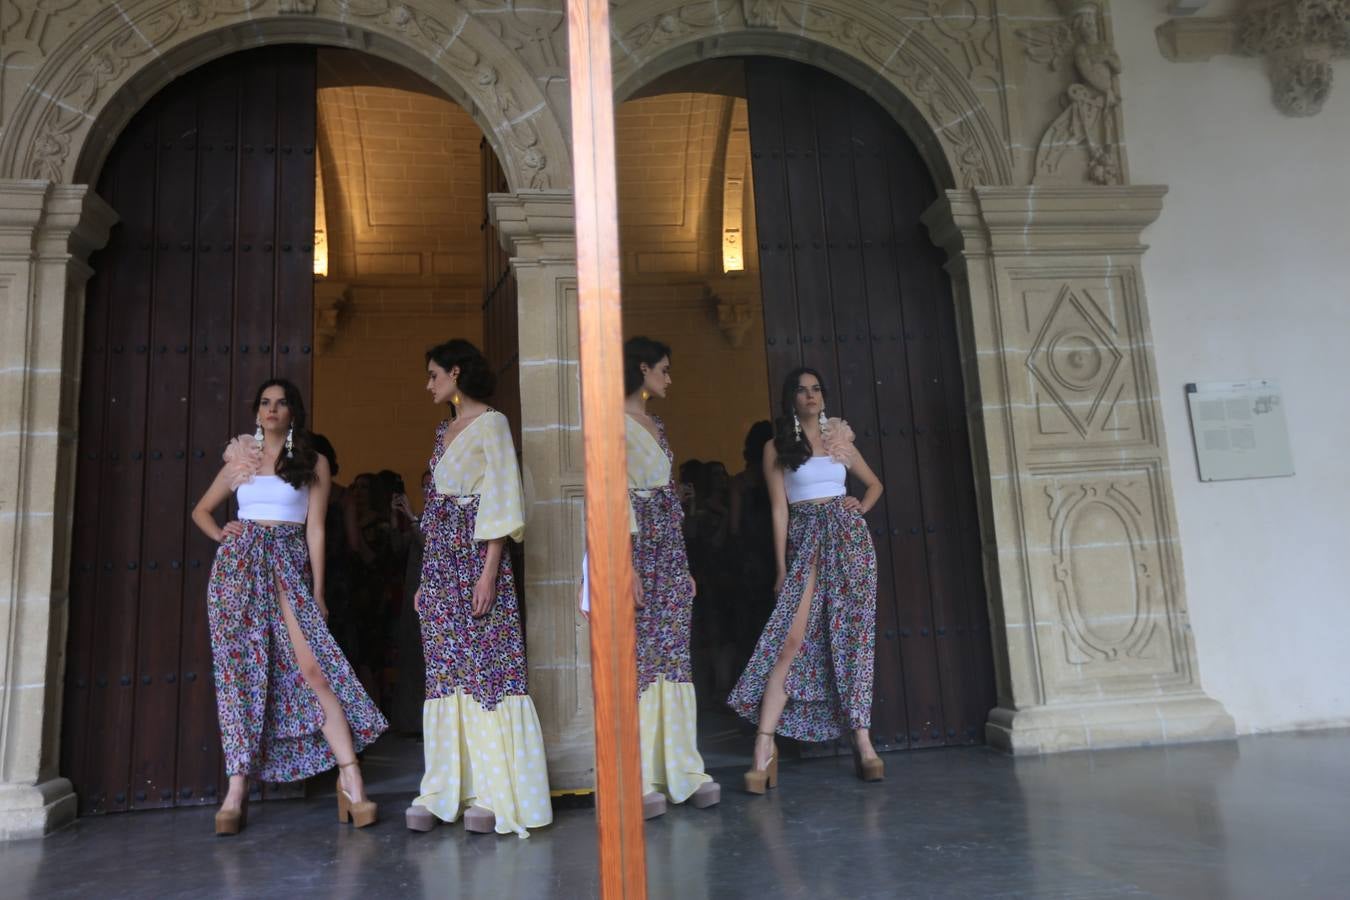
(267, 498)
(815, 479)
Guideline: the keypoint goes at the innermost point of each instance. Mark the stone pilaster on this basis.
(46, 235)
(1093, 644)
(539, 231)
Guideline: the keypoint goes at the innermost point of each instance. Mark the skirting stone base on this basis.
(32, 810)
(1098, 726)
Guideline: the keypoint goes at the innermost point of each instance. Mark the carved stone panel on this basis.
(1083, 376)
(1104, 580)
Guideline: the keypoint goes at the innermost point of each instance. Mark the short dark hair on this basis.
(759, 434)
(324, 447)
(476, 377)
(638, 351)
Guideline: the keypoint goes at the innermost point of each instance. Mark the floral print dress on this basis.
(270, 721)
(481, 736)
(829, 684)
(667, 706)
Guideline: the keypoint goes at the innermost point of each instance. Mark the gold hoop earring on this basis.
(646, 395)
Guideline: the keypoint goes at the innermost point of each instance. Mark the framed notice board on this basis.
(1239, 430)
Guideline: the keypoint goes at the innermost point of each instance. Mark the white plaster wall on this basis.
(1249, 276)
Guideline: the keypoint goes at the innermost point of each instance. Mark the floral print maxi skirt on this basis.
(829, 684)
(667, 706)
(481, 737)
(270, 721)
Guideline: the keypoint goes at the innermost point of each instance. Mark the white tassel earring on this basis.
(290, 442)
(822, 419)
(796, 427)
(257, 433)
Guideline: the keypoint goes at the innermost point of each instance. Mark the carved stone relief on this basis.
(1298, 39)
(1090, 119)
(934, 51)
(1109, 576)
(1084, 373)
(533, 29)
(82, 51)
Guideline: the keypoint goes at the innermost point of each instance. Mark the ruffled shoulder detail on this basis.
(243, 458)
(838, 439)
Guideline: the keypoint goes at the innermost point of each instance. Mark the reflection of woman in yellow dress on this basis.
(667, 707)
(483, 744)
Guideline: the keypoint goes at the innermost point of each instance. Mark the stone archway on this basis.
(83, 93)
(1042, 255)
(88, 67)
(1042, 228)
(899, 60)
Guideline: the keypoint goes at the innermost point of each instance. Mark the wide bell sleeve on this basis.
(501, 504)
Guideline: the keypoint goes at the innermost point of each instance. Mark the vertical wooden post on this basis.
(613, 635)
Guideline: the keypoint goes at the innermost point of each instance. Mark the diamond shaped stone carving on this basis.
(1074, 359)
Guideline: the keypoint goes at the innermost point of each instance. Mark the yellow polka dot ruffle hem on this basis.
(490, 758)
(668, 723)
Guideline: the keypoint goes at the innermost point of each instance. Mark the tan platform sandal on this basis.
(868, 769)
(232, 821)
(360, 814)
(757, 780)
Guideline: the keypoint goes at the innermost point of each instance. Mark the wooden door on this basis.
(205, 289)
(853, 287)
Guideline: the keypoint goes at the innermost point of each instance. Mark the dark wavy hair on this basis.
(759, 434)
(636, 352)
(297, 470)
(793, 450)
(476, 377)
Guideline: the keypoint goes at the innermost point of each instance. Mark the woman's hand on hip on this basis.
(232, 529)
(853, 503)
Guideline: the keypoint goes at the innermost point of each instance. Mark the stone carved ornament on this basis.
(906, 53)
(1298, 39)
(43, 24)
(1089, 117)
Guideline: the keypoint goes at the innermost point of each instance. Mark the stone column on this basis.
(46, 235)
(1092, 640)
(538, 229)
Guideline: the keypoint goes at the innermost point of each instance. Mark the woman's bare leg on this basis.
(236, 793)
(335, 728)
(862, 738)
(775, 695)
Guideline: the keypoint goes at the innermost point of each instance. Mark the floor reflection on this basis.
(1263, 817)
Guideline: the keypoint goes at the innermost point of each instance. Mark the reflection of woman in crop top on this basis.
(289, 705)
(810, 677)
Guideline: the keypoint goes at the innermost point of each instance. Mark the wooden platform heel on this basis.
(758, 780)
(359, 814)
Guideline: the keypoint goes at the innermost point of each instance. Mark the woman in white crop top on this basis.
(267, 617)
(810, 677)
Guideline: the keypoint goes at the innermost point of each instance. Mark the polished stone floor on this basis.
(1265, 817)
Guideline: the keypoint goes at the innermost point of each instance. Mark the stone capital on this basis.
(1044, 220)
(536, 225)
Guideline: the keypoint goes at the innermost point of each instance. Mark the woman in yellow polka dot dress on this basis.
(667, 716)
(483, 744)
